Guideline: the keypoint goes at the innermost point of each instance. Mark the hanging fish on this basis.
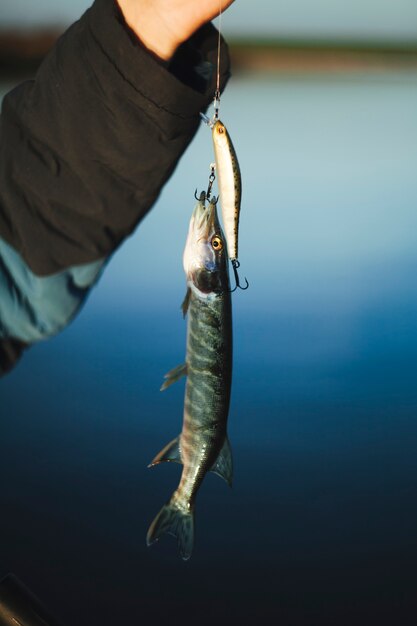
(202, 445)
(230, 184)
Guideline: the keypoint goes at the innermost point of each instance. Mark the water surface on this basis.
(320, 525)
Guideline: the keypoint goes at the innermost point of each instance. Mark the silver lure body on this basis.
(230, 185)
(202, 445)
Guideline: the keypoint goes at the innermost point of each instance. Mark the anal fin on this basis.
(223, 465)
(173, 375)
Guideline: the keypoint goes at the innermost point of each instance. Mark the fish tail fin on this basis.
(177, 522)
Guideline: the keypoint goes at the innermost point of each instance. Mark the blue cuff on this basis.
(33, 307)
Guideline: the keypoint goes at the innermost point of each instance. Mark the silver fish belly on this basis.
(202, 445)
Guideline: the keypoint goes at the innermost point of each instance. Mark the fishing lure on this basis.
(230, 185)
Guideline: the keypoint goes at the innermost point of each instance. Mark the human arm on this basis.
(86, 147)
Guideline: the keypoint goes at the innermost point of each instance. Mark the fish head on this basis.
(205, 253)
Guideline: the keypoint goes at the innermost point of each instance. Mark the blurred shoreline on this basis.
(321, 56)
(22, 51)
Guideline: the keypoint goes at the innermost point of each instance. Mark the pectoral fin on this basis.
(186, 302)
(224, 464)
(173, 375)
(171, 452)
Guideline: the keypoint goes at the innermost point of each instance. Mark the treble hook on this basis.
(201, 197)
(236, 265)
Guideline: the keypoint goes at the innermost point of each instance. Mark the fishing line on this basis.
(216, 102)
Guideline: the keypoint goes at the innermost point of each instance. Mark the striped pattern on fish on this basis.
(203, 445)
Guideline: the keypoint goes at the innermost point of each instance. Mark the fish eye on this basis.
(220, 130)
(216, 243)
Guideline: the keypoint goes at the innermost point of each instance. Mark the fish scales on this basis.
(207, 394)
(203, 444)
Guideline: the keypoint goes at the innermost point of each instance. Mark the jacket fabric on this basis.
(85, 149)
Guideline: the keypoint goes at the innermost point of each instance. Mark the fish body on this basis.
(230, 185)
(202, 445)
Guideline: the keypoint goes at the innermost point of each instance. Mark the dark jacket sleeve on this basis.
(86, 147)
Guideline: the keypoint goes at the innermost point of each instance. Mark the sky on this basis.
(360, 19)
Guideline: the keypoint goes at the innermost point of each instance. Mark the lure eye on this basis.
(216, 243)
(220, 130)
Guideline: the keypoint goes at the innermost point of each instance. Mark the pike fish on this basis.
(203, 445)
(230, 185)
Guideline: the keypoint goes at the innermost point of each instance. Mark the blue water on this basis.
(320, 526)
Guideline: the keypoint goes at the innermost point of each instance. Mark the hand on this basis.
(162, 25)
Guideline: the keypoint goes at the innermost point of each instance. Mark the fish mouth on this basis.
(203, 220)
